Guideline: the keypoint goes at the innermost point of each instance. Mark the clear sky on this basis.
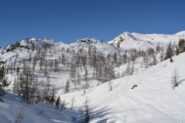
(69, 20)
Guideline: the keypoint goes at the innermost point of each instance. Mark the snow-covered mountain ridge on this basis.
(124, 41)
(145, 50)
(128, 40)
(133, 78)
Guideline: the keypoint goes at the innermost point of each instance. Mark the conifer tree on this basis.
(57, 103)
(3, 80)
(67, 87)
(52, 99)
(62, 105)
(169, 52)
(181, 45)
(86, 113)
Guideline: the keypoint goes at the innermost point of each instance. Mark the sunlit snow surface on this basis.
(152, 101)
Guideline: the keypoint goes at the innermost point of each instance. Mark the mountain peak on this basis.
(89, 40)
(38, 42)
(139, 41)
(181, 33)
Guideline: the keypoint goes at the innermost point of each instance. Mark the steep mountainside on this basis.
(135, 78)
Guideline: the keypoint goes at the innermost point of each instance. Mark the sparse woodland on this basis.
(81, 66)
(33, 72)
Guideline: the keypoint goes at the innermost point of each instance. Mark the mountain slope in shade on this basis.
(13, 110)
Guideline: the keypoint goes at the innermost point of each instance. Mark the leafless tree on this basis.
(174, 79)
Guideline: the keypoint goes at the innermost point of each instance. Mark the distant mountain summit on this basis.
(128, 40)
(182, 33)
(124, 41)
(38, 42)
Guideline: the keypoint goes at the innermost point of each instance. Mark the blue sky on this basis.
(69, 20)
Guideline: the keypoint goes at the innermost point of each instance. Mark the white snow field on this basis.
(147, 96)
(13, 110)
(152, 101)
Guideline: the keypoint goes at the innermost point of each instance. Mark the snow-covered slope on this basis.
(13, 110)
(36, 41)
(181, 33)
(49, 53)
(138, 41)
(93, 44)
(153, 100)
(146, 96)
